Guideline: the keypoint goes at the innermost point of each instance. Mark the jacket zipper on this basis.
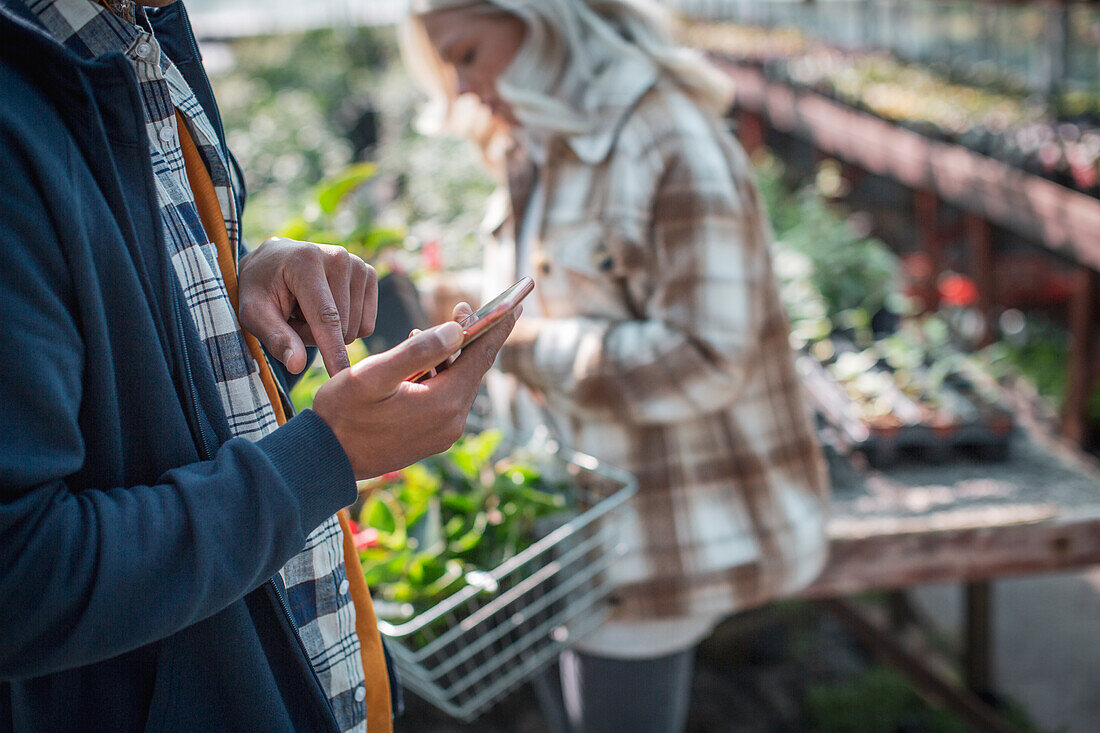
(204, 442)
(301, 645)
(207, 455)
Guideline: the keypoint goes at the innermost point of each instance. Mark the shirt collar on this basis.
(89, 29)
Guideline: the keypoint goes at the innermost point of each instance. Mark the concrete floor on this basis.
(1046, 640)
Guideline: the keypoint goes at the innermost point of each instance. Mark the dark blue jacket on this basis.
(138, 541)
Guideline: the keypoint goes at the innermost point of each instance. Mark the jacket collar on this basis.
(611, 96)
(53, 64)
(172, 27)
(170, 24)
(26, 43)
(618, 90)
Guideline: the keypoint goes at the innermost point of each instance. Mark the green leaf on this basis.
(473, 453)
(332, 193)
(297, 228)
(369, 241)
(452, 573)
(386, 515)
(323, 236)
(460, 503)
(302, 394)
(378, 515)
(469, 541)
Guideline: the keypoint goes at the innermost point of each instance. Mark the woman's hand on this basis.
(298, 294)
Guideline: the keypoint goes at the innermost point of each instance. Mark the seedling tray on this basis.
(968, 425)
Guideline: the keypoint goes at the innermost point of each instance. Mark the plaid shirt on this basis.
(663, 349)
(315, 578)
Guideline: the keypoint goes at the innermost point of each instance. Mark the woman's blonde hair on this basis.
(581, 36)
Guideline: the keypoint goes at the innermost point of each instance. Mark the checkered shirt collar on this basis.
(88, 29)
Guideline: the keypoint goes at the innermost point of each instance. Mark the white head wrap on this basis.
(583, 63)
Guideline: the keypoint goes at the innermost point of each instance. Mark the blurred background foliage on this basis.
(324, 125)
(301, 111)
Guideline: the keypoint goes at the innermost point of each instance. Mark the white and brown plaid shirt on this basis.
(664, 346)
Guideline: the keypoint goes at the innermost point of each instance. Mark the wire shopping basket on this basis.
(466, 652)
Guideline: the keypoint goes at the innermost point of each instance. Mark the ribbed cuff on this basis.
(313, 463)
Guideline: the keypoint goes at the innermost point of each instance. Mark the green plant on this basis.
(336, 214)
(1039, 351)
(878, 701)
(428, 530)
(288, 104)
(855, 275)
(833, 282)
(440, 184)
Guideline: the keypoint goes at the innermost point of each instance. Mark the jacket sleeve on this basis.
(686, 250)
(87, 575)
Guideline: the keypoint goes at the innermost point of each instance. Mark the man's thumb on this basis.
(416, 355)
(279, 339)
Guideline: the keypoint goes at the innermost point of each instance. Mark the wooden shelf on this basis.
(963, 521)
(1060, 219)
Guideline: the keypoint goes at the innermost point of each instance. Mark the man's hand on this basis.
(385, 423)
(298, 294)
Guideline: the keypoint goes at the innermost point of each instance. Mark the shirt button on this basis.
(360, 694)
(344, 585)
(166, 134)
(143, 50)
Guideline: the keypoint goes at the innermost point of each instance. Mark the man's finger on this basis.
(320, 312)
(459, 313)
(386, 371)
(356, 284)
(477, 357)
(369, 298)
(278, 337)
(462, 310)
(338, 273)
(431, 372)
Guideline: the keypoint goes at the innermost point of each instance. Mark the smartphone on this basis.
(490, 314)
(484, 318)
